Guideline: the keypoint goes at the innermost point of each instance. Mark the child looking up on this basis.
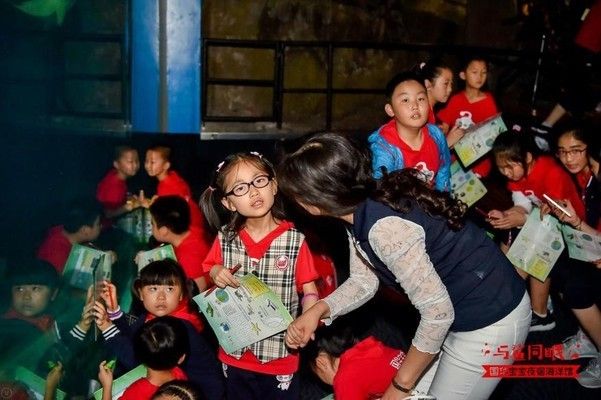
(438, 80)
(171, 224)
(530, 176)
(161, 345)
(408, 141)
(471, 106)
(256, 236)
(158, 165)
(81, 225)
(162, 289)
(112, 189)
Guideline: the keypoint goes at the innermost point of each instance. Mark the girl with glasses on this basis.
(253, 235)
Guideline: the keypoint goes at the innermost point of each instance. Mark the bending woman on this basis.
(403, 234)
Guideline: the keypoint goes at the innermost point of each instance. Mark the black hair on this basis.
(172, 212)
(514, 146)
(586, 135)
(160, 343)
(163, 149)
(467, 59)
(80, 213)
(400, 78)
(163, 272)
(121, 150)
(181, 390)
(333, 174)
(217, 216)
(431, 69)
(34, 272)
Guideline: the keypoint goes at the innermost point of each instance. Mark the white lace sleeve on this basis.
(361, 286)
(400, 244)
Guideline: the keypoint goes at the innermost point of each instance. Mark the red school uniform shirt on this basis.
(111, 191)
(173, 184)
(305, 272)
(480, 111)
(366, 370)
(426, 159)
(55, 248)
(143, 389)
(548, 177)
(191, 252)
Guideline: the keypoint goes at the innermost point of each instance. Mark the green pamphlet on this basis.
(123, 382)
(35, 384)
(478, 139)
(158, 253)
(582, 246)
(86, 265)
(465, 185)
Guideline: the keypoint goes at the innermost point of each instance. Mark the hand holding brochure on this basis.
(581, 245)
(86, 265)
(244, 315)
(158, 253)
(478, 139)
(538, 245)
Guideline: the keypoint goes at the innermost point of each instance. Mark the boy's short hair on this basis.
(81, 213)
(400, 78)
(34, 272)
(121, 150)
(172, 212)
(160, 343)
(163, 150)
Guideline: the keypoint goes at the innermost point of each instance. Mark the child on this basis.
(171, 224)
(162, 289)
(258, 238)
(112, 189)
(81, 225)
(530, 176)
(158, 165)
(357, 368)
(177, 390)
(438, 80)
(161, 345)
(471, 106)
(579, 154)
(408, 141)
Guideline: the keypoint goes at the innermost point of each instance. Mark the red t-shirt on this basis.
(142, 389)
(458, 107)
(191, 252)
(589, 35)
(111, 191)
(326, 269)
(546, 176)
(55, 248)
(366, 370)
(426, 159)
(173, 184)
(305, 272)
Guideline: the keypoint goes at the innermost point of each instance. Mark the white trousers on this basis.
(457, 372)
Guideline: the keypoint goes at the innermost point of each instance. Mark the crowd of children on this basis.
(406, 232)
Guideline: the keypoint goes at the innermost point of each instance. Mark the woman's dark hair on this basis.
(160, 343)
(400, 78)
(514, 146)
(163, 272)
(216, 215)
(332, 173)
(181, 390)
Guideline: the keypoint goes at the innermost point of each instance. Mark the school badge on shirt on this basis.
(281, 263)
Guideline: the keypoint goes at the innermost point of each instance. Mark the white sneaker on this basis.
(578, 346)
(590, 377)
(415, 395)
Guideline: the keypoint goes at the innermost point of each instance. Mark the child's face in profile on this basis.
(257, 201)
(155, 164)
(31, 300)
(409, 105)
(440, 89)
(475, 74)
(512, 170)
(91, 233)
(161, 300)
(128, 164)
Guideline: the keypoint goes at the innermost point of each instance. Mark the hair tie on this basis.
(422, 65)
(256, 154)
(219, 166)
(211, 188)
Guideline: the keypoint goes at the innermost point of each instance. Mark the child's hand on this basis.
(101, 316)
(87, 315)
(108, 293)
(54, 376)
(509, 219)
(223, 277)
(574, 220)
(454, 135)
(105, 376)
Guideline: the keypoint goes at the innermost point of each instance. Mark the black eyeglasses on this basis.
(572, 152)
(242, 188)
